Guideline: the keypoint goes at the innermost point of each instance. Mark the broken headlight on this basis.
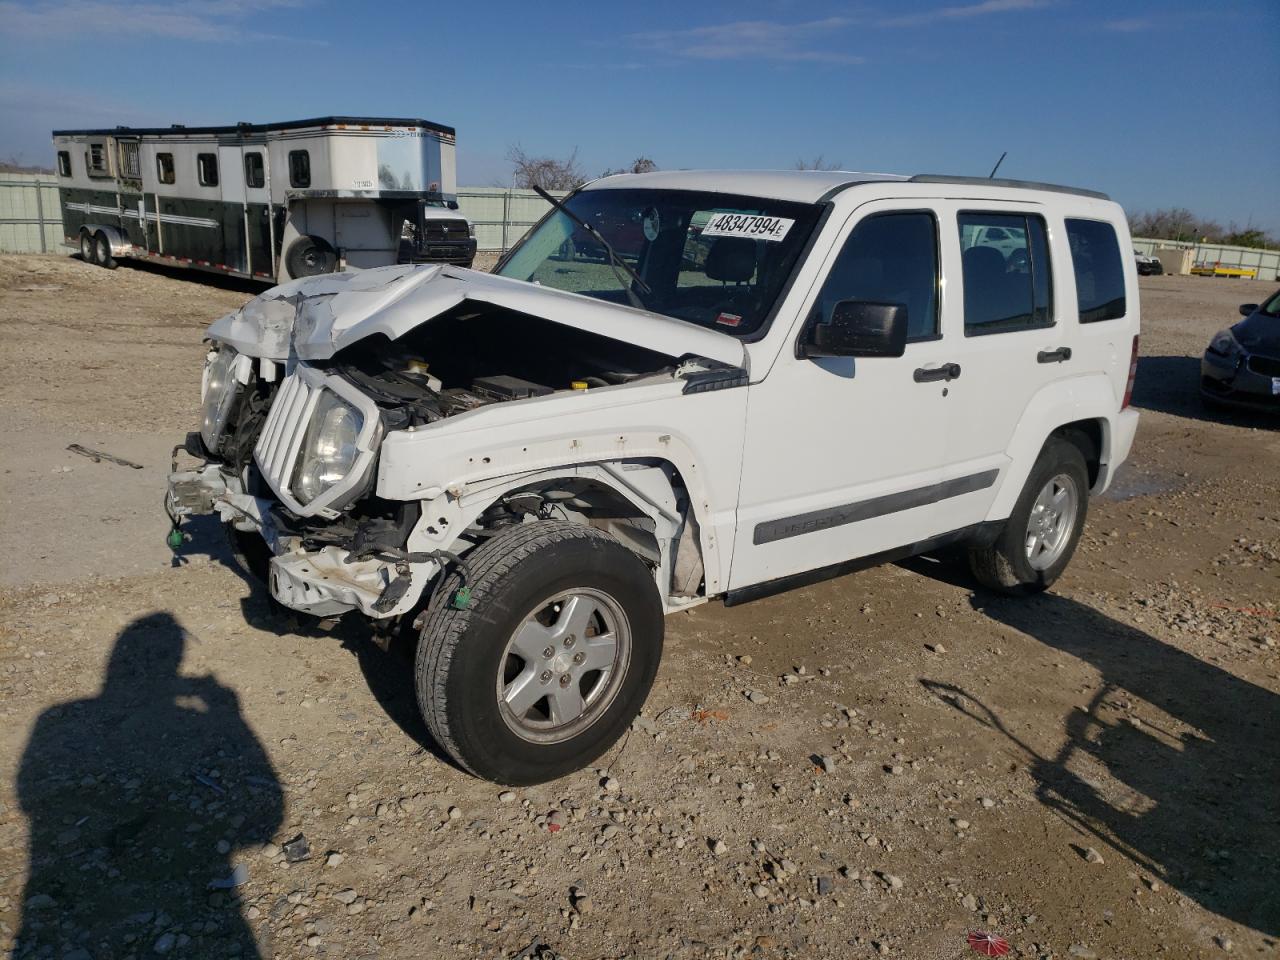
(218, 394)
(330, 448)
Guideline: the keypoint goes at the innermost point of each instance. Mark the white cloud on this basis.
(1129, 25)
(751, 40)
(210, 21)
(963, 12)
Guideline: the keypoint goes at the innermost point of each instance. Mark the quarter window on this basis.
(1095, 258)
(207, 169)
(1008, 284)
(299, 168)
(164, 167)
(889, 258)
(255, 174)
(64, 163)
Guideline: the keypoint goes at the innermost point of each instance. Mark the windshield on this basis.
(715, 259)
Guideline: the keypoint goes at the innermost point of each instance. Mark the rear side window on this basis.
(1008, 283)
(164, 167)
(1095, 257)
(64, 163)
(255, 174)
(299, 168)
(890, 258)
(207, 169)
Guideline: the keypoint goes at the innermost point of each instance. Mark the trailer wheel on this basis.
(546, 659)
(310, 257)
(88, 248)
(103, 245)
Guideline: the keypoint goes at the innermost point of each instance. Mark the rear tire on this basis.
(103, 256)
(1041, 534)
(491, 696)
(88, 248)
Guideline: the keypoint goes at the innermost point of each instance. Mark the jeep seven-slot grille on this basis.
(282, 434)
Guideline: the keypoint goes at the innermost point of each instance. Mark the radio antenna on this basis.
(992, 174)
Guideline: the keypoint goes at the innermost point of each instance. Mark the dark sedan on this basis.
(1242, 365)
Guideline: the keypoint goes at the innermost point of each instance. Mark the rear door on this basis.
(257, 211)
(231, 170)
(1008, 341)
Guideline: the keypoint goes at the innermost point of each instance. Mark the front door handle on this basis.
(948, 372)
(1061, 355)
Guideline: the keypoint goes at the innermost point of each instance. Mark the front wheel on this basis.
(549, 658)
(1041, 534)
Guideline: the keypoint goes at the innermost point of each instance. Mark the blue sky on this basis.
(1158, 103)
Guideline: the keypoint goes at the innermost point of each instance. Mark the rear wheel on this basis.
(88, 248)
(550, 658)
(1041, 534)
(103, 256)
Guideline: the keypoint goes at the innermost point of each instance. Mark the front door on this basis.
(843, 455)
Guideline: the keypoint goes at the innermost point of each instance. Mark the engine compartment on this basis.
(479, 353)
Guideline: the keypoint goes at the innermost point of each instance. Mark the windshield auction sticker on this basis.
(747, 225)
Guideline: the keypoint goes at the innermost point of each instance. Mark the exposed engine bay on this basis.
(479, 354)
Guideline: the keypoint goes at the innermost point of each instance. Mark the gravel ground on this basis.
(876, 765)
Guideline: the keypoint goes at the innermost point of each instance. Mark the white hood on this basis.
(330, 312)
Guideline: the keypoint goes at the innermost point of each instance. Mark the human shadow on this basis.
(138, 801)
(1189, 757)
(1172, 385)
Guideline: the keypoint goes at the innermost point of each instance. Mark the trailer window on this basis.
(64, 163)
(130, 160)
(299, 168)
(164, 167)
(255, 174)
(95, 160)
(207, 169)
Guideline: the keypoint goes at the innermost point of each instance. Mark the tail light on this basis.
(1133, 375)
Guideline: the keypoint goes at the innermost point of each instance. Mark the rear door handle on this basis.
(948, 371)
(1061, 355)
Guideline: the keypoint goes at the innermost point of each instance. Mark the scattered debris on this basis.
(97, 456)
(296, 849)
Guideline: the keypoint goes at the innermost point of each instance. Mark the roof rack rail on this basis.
(1001, 182)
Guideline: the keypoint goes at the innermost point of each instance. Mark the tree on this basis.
(639, 165)
(817, 163)
(549, 173)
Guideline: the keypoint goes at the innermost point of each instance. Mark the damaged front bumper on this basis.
(317, 581)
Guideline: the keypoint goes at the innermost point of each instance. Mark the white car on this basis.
(765, 379)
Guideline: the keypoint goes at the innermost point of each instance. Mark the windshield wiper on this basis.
(612, 254)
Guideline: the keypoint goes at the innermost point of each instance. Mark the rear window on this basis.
(1095, 257)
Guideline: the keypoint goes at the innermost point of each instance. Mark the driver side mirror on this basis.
(859, 328)
(1248, 309)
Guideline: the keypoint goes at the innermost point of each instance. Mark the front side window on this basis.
(64, 163)
(299, 168)
(1008, 284)
(1095, 260)
(207, 169)
(255, 174)
(713, 259)
(164, 167)
(889, 258)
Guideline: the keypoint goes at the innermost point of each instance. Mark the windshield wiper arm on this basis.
(595, 234)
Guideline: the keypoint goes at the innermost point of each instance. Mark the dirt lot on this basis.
(1092, 773)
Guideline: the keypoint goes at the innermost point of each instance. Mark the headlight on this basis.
(330, 449)
(1224, 344)
(218, 393)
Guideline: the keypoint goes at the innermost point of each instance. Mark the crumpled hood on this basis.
(327, 313)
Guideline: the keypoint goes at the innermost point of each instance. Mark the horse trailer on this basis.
(271, 202)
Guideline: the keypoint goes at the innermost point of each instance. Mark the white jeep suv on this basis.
(678, 386)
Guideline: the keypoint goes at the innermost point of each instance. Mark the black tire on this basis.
(103, 257)
(88, 248)
(310, 257)
(1004, 565)
(461, 651)
(250, 553)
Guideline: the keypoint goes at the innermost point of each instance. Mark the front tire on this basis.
(1041, 534)
(550, 659)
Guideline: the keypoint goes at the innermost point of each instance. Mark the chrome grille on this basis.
(282, 434)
